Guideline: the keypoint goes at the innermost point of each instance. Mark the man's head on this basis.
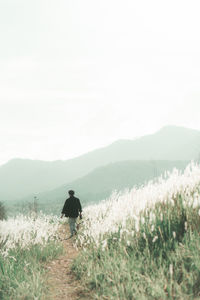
(71, 193)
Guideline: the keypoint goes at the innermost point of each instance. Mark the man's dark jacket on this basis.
(72, 207)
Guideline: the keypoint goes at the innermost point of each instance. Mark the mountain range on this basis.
(101, 182)
(21, 178)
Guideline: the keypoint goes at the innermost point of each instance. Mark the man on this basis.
(72, 209)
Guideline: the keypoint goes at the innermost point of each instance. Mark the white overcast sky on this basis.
(76, 75)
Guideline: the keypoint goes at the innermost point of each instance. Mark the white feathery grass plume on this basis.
(23, 231)
(107, 216)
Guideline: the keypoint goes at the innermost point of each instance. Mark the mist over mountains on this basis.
(97, 173)
(101, 182)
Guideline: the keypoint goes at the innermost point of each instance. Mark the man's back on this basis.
(72, 207)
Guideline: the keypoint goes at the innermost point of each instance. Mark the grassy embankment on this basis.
(154, 255)
(26, 246)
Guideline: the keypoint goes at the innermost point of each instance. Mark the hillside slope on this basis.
(100, 183)
(20, 177)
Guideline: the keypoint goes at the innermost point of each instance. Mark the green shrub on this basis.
(2, 211)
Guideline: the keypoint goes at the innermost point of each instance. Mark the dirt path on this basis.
(61, 282)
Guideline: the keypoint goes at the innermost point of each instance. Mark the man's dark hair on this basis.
(71, 192)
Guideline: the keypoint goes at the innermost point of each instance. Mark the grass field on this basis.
(139, 244)
(145, 243)
(27, 243)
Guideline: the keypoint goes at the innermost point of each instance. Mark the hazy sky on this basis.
(79, 74)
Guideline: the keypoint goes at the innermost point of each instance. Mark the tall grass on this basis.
(149, 253)
(22, 272)
(26, 243)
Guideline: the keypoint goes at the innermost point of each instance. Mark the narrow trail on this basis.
(60, 280)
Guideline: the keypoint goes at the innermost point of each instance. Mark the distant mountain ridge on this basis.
(101, 182)
(20, 177)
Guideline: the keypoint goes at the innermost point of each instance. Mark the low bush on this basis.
(2, 211)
